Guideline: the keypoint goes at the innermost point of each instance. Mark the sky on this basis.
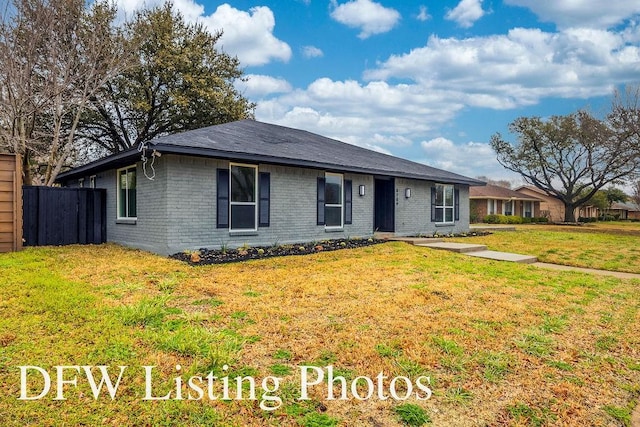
(429, 81)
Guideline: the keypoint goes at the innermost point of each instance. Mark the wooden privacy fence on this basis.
(64, 216)
(10, 203)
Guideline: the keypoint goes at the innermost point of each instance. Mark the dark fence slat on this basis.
(63, 216)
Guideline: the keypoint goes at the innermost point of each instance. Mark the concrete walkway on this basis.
(481, 251)
(617, 274)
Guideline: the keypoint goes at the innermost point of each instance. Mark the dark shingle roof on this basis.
(253, 141)
(497, 192)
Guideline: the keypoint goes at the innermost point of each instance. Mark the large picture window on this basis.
(127, 205)
(444, 203)
(333, 199)
(243, 190)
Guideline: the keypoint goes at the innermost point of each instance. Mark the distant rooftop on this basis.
(497, 192)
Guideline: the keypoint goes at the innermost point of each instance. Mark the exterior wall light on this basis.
(407, 193)
(361, 190)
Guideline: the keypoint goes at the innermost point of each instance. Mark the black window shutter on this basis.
(264, 189)
(456, 207)
(347, 201)
(433, 204)
(320, 201)
(222, 204)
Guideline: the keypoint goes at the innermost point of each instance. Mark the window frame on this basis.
(334, 205)
(119, 189)
(524, 209)
(512, 206)
(444, 207)
(492, 206)
(255, 198)
(92, 182)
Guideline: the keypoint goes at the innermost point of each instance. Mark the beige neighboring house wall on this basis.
(549, 206)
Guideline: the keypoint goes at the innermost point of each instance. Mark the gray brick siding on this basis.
(177, 210)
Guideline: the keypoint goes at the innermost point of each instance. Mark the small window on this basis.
(508, 207)
(527, 210)
(92, 181)
(333, 198)
(81, 183)
(243, 190)
(127, 205)
(491, 206)
(444, 206)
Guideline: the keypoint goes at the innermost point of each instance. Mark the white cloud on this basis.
(376, 115)
(259, 85)
(520, 68)
(370, 17)
(312, 52)
(470, 159)
(582, 13)
(247, 35)
(423, 15)
(466, 13)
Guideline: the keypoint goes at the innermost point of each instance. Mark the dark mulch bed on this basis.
(218, 256)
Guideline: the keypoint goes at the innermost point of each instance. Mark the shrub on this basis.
(526, 220)
(514, 220)
(492, 219)
(502, 219)
(587, 219)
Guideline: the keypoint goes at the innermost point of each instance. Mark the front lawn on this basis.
(502, 344)
(607, 246)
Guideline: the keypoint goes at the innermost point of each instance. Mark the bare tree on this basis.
(572, 157)
(55, 55)
(499, 182)
(635, 193)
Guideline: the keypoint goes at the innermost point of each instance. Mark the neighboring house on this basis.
(587, 211)
(496, 200)
(550, 207)
(254, 183)
(628, 210)
(553, 208)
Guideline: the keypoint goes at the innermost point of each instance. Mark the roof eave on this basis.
(132, 154)
(100, 165)
(234, 155)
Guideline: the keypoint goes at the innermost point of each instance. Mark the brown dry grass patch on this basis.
(504, 344)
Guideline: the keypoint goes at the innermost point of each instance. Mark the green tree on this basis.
(615, 195)
(181, 82)
(599, 200)
(570, 157)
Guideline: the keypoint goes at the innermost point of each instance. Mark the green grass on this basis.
(412, 415)
(606, 246)
(474, 327)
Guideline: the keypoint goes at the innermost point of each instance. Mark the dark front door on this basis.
(384, 205)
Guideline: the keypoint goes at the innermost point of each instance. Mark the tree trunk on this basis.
(27, 179)
(569, 212)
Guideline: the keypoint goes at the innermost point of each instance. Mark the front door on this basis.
(384, 205)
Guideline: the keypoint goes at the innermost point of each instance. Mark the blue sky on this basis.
(429, 81)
